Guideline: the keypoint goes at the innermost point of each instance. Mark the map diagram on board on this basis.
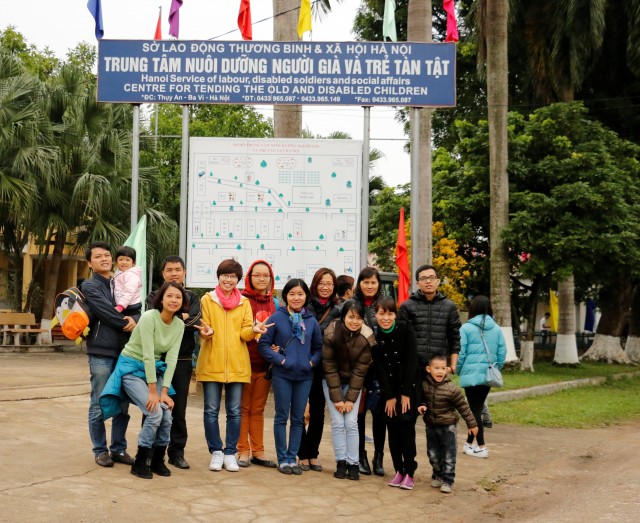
(293, 203)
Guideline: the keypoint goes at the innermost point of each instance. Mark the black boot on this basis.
(364, 466)
(352, 472)
(141, 465)
(157, 462)
(341, 471)
(378, 469)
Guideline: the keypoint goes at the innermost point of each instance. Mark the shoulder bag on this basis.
(493, 377)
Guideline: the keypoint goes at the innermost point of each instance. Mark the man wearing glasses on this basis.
(434, 318)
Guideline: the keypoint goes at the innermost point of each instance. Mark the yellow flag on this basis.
(553, 309)
(304, 21)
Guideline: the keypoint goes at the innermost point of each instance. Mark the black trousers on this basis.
(402, 445)
(476, 397)
(379, 427)
(312, 433)
(180, 382)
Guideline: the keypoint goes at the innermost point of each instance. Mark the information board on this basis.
(304, 73)
(294, 203)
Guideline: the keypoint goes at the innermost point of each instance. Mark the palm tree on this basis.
(25, 156)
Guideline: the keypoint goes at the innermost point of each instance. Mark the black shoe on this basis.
(104, 460)
(285, 469)
(263, 463)
(296, 470)
(352, 472)
(142, 464)
(304, 467)
(315, 468)
(123, 457)
(157, 462)
(363, 465)
(378, 469)
(341, 471)
(487, 423)
(179, 462)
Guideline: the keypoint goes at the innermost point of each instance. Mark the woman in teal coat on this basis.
(473, 363)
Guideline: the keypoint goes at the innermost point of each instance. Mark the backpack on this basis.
(73, 314)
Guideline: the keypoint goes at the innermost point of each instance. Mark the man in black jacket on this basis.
(435, 319)
(173, 269)
(109, 331)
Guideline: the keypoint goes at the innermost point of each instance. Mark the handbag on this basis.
(493, 378)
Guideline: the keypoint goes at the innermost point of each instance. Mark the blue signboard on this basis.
(299, 73)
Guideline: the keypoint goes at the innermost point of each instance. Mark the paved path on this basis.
(48, 472)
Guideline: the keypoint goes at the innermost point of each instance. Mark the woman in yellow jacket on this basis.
(224, 360)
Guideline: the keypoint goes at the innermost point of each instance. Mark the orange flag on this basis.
(158, 35)
(244, 20)
(402, 262)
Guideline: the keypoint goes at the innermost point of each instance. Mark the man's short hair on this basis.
(172, 259)
(425, 267)
(96, 245)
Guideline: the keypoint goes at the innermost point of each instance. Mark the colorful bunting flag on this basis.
(304, 20)
(452, 26)
(158, 35)
(174, 17)
(402, 261)
(244, 20)
(95, 8)
(389, 22)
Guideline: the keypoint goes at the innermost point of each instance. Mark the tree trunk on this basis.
(527, 348)
(566, 346)
(419, 29)
(498, 103)
(632, 347)
(51, 282)
(287, 119)
(615, 303)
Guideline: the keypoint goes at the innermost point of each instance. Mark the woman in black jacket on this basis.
(396, 364)
(323, 306)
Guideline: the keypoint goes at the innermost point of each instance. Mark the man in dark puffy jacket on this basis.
(435, 319)
(109, 331)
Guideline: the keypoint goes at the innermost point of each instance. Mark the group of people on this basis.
(326, 345)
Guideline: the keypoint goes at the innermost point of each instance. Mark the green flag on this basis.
(389, 23)
(138, 240)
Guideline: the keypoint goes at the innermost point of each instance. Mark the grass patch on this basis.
(612, 403)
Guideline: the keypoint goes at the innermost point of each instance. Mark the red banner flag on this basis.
(452, 25)
(244, 20)
(402, 262)
(158, 35)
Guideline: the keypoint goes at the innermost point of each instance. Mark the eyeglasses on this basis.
(261, 276)
(325, 285)
(228, 277)
(428, 278)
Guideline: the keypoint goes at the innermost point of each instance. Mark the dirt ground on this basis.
(532, 474)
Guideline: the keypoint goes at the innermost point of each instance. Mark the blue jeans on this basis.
(100, 368)
(232, 402)
(156, 427)
(290, 401)
(441, 449)
(344, 428)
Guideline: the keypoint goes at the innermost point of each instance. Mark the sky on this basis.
(61, 24)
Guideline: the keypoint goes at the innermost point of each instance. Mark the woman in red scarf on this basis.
(224, 361)
(258, 288)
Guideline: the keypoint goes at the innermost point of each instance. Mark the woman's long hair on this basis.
(365, 273)
(480, 305)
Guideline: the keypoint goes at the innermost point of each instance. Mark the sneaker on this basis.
(217, 457)
(487, 423)
(397, 479)
(437, 483)
(407, 483)
(445, 488)
(468, 448)
(230, 463)
(104, 460)
(479, 453)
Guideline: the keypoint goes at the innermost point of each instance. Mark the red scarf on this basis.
(228, 302)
